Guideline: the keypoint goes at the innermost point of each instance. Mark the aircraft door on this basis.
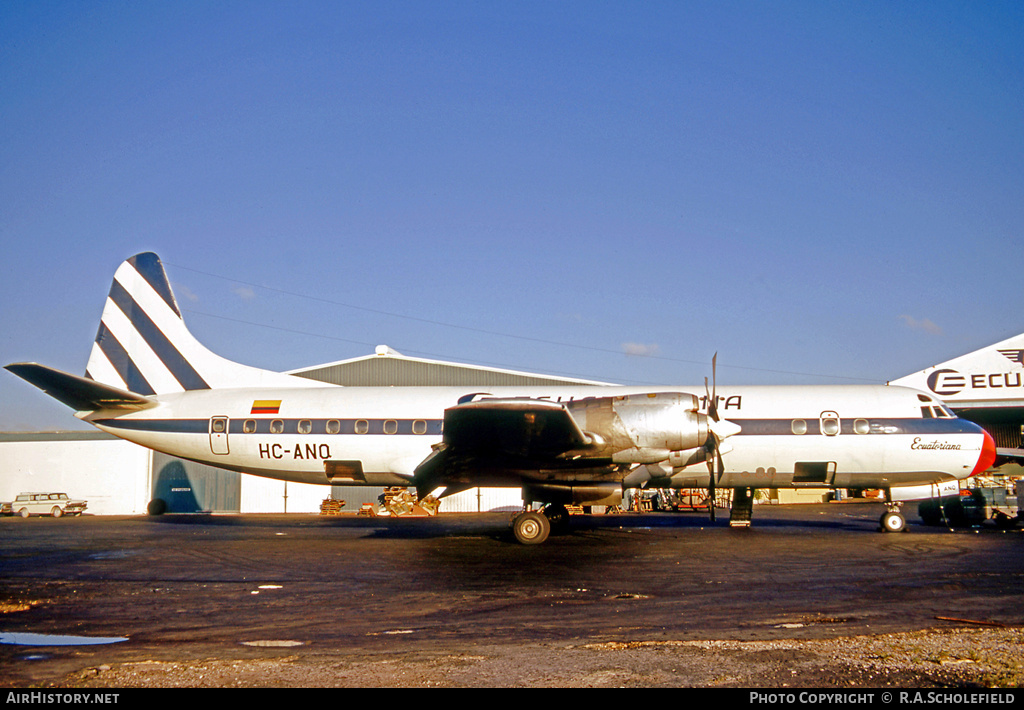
(219, 435)
(830, 424)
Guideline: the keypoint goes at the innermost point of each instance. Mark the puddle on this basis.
(271, 643)
(112, 555)
(22, 639)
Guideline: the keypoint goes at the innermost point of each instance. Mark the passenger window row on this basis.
(333, 426)
(830, 426)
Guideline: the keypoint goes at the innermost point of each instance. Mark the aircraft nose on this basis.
(987, 456)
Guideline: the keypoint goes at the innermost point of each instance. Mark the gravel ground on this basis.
(955, 658)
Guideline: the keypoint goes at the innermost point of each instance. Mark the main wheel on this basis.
(531, 528)
(558, 517)
(893, 522)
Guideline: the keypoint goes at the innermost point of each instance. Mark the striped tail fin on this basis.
(143, 345)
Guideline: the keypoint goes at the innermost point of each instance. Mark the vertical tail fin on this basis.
(144, 346)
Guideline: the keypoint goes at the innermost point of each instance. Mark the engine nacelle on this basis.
(574, 494)
(642, 428)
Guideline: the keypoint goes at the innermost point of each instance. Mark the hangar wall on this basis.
(110, 474)
(116, 477)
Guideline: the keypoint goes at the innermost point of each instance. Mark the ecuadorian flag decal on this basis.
(266, 406)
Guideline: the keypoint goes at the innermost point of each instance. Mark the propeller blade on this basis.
(711, 495)
(714, 437)
(713, 401)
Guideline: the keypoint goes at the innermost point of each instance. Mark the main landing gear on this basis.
(532, 527)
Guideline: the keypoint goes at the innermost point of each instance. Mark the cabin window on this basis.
(390, 426)
(362, 426)
(277, 426)
(419, 427)
(861, 426)
(218, 426)
(249, 426)
(333, 426)
(799, 426)
(305, 426)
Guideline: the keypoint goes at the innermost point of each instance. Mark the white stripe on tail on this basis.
(143, 345)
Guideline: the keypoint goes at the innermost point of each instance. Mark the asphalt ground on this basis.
(809, 596)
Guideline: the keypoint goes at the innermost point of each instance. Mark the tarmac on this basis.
(809, 596)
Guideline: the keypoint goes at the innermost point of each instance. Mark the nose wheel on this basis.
(892, 520)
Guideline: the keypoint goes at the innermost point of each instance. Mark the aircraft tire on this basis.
(531, 528)
(157, 506)
(1004, 522)
(558, 517)
(893, 522)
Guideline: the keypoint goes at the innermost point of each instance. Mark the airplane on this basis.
(985, 386)
(148, 380)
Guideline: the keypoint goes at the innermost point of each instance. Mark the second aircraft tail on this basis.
(990, 375)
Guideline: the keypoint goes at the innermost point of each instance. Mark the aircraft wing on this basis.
(515, 432)
(79, 393)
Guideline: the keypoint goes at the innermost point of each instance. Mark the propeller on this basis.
(718, 429)
(713, 455)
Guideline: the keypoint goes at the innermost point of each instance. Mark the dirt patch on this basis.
(990, 658)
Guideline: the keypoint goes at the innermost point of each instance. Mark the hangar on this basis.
(118, 477)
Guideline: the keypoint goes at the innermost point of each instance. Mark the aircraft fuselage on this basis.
(802, 436)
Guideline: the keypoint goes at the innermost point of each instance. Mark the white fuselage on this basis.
(838, 436)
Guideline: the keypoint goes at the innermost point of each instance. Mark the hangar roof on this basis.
(388, 368)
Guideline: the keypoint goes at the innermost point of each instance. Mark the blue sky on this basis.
(819, 192)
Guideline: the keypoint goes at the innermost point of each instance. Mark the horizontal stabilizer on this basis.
(79, 393)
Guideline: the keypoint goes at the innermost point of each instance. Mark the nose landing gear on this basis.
(892, 519)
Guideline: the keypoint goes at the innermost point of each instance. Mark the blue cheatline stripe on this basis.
(434, 427)
(169, 355)
(149, 267)
(118, 356)
(317, 427)
(782, 427)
